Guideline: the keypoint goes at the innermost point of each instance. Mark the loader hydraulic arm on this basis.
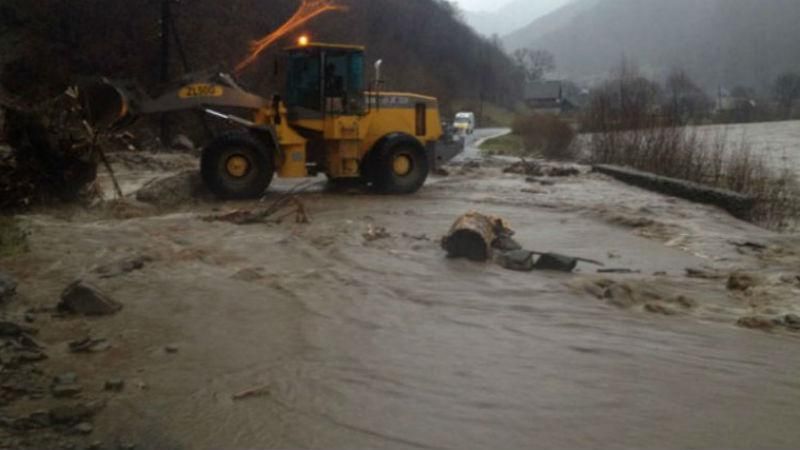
(115, 104)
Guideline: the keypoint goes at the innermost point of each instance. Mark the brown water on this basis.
(388, 344)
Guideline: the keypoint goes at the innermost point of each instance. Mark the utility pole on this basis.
(166, 22)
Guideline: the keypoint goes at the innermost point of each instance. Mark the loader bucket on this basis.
(105, 104)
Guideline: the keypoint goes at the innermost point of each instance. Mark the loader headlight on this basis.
(302, 41)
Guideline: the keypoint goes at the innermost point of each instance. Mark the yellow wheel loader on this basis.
(324, 122)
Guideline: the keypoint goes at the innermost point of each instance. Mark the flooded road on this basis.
(388, 344)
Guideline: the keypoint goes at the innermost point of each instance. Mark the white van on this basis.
(465, 122)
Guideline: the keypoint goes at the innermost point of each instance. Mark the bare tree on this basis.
(534, 63)
(627, 101)
(787, 91)
(686, 101)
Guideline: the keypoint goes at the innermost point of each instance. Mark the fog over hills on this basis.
(512, 16)
(719, 42)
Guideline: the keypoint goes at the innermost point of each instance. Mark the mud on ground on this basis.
(317, 335)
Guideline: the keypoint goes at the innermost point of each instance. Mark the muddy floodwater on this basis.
(348, 342)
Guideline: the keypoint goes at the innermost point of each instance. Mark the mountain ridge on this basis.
(718, 42)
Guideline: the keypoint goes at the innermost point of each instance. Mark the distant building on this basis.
(547, 97)
(727, 101)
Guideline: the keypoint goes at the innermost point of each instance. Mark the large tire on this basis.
(406, 177)
(237, 166)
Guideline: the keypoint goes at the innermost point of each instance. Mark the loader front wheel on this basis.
(237, 166)
(399, 169)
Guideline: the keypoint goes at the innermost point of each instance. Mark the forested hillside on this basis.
(423, 45)
(718, 42)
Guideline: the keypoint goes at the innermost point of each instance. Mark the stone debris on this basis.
(259, 391)
(122, 266)
(66, 390)
(705, 274)
(114, 385)
(631, 294)
(84, 428)
(88, 345)
(8, 286)
(171, 349)
(542, 169)
(541, 181)
(619, 271)
(518, 260)
(66, 378)
(248, 275)
(83, 298)
(171, 191)
(70, 414)
(741, 281)
(758, 323)
(284, 207)
(792, 321)
(183, 143)
(374, 233)
(416, 237)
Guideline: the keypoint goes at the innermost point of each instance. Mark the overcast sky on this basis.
(482, 5)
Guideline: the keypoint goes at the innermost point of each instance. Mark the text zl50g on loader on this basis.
(324, 122)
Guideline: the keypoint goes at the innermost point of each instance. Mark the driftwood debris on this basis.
(276, 213)
(478, 237)
(472, 236)
(259, 391)
(50, 154)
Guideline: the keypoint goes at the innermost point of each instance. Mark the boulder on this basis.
(122, 266)
(741, 281)
(792, 321)
(83, 298)
(519, 260)
(758, 323)
(174, 190)
(70, 414)
(183, 143)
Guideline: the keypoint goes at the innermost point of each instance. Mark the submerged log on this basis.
(472, 236)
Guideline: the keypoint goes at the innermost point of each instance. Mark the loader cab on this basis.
(325, 80)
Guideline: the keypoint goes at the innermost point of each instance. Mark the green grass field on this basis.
(13, 239)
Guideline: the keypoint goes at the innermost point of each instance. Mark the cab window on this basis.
(304, 88)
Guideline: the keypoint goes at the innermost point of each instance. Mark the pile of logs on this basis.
(47, 152)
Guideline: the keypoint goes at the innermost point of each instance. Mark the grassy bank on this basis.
(13, 239)
(508, 144)
(683, 153)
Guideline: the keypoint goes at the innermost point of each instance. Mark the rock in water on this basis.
(8, 286)
(741, 281)
(122, 266)
(757, 323)
(84, 428)
(183, 143)
(792, 321)
(115, 385)
(83, 298)
(519, 260)
(172, 191)
(70, 414)
(556, 262)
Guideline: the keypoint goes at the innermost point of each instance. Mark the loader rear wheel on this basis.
(237, 166)
(399, 169)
